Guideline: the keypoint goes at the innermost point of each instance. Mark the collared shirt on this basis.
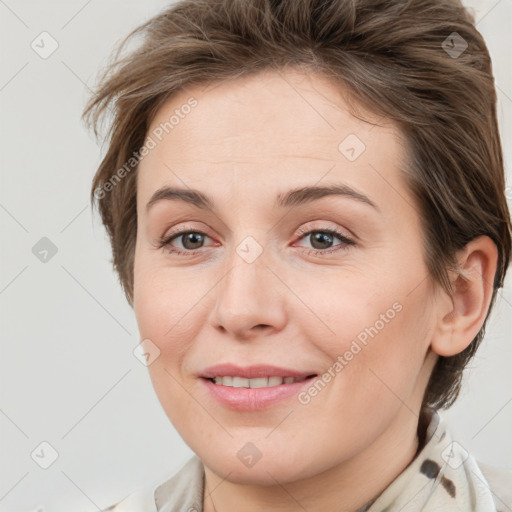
(443, 476)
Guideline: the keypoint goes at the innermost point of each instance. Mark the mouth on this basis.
(258, 382)
(253, 388)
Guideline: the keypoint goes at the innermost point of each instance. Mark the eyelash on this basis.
(164, 243)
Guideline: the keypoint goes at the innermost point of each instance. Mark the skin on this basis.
(247, 142)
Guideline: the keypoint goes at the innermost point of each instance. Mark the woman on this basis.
(246, 134)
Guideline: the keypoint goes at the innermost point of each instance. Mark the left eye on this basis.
(326, 236)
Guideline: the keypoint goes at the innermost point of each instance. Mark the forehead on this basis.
(274, 125)
(265, 104)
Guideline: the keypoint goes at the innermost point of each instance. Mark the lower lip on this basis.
(253, 399)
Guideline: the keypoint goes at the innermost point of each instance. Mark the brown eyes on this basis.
(192, 241)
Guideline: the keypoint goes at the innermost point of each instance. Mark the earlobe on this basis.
(461, 316)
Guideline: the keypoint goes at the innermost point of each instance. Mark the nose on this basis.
(249, 300)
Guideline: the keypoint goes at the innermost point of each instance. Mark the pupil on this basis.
(194, 238)
(321, 237)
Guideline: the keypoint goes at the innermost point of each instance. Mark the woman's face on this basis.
(332, 285)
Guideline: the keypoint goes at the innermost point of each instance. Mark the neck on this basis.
(346, 487)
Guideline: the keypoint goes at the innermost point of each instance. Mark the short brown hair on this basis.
(420, 63)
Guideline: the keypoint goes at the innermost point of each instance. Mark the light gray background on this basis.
(68, 373)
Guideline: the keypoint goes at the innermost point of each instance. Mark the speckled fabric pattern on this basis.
(442, 477)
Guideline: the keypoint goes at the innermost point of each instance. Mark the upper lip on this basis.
(252, 372)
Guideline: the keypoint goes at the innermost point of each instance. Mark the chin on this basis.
(264, 474)
(269, 470)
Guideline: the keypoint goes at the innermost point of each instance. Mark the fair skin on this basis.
(247, 142)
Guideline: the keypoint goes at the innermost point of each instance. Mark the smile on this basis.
(260, 382)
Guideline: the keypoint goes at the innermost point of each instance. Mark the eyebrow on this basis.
(294, 197)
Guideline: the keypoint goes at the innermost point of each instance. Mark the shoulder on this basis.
(183, 491)
(140, 499)
(499, 481)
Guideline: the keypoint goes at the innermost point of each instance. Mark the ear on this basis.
(461, 316)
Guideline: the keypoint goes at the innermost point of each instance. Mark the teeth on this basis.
(239, 382)
(260, 382)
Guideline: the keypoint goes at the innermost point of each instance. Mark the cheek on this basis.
(161, 312)
(392, 360)
(170, 311)
(348, 312)
(378, 337)
(163, 300)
